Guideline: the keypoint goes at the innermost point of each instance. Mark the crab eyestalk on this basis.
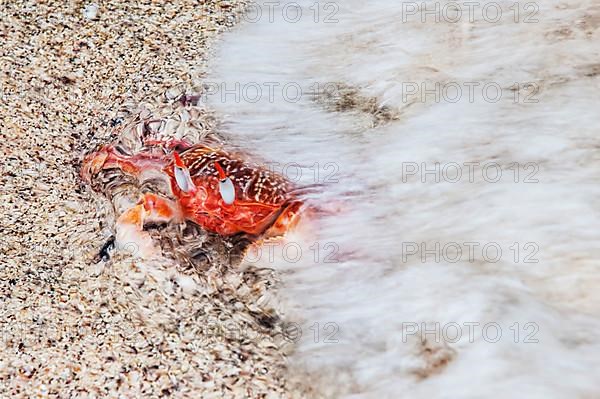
(226, 188)
(182, 175)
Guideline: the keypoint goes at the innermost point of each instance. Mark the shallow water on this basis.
(455, 248)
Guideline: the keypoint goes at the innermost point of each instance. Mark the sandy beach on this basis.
(447, 159)
(72, 325)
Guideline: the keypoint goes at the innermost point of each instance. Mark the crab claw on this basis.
(130, 233)
(158, 209)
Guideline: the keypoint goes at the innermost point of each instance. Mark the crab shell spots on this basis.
(252, 183)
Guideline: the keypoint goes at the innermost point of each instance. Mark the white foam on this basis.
(372, 292)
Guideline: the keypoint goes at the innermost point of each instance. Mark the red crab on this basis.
(218, 190)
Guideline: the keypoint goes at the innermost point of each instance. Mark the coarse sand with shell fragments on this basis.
(76, 325)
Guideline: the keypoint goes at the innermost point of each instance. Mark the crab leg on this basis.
(109, 158)
(168, 144)
(288, 219)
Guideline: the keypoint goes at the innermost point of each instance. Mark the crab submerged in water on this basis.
(217, 190)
